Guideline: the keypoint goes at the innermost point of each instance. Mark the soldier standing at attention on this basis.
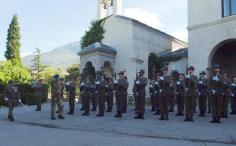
(216, 84)
(141, 93)
(157, 94)
(125, 99)
(55, 93)
(11, 95)
(190, 98)
(152, 91)
(110, 95)
(180, 94)
(86, 96)
(94, 93)
(38, 92)
(165, 91)
(121, 85)
(101, 96)
(60, 104)
(71, 93)
(226, 95)
(233, 96)
(172, 95)
(203, 86)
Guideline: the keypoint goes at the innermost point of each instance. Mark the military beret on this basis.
(191, 68)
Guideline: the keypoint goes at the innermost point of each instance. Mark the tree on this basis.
(37, 68)
(8, 71)
(13, 42)
(95, 34)
(74, 71)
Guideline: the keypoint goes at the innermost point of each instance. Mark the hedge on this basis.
(26, 93)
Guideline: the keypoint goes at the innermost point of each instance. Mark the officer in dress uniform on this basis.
(140, 84)
(216, 85)
(203, 85)
(180, 94)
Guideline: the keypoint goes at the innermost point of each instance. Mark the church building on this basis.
(131, 45)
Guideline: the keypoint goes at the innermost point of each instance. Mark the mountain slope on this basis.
(60, 57)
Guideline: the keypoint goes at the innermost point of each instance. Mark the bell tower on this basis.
(109, 7)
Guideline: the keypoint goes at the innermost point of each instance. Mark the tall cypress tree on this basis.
(13, 42)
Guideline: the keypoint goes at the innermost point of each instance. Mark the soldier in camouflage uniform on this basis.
(203, 85)
(172, 95)
(121, 86)
(191, 94)
(233, 96)
(12, 95)
(56, 93)
(141, 93)
(216, 85)
(226, 95)
(60, 104)
(38, 93)
(86, 96)
(71, 94)
(101, 96)
(180, 94)
(110, 88)
(152, 91)
(165, 92)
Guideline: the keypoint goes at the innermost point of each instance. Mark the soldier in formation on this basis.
(38, 93)
(71, 94)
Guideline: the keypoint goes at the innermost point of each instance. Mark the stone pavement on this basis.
(35, 128)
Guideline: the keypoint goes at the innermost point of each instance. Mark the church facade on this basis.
(212, 34)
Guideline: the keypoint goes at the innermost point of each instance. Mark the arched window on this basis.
(228, 7)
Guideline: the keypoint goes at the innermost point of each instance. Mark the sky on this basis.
(48, 24)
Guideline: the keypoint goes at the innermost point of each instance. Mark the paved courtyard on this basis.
(36, 129)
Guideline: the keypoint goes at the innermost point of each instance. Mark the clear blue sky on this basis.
(48, 24)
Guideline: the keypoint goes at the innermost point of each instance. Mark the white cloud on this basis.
(182, 35)
(143, 16)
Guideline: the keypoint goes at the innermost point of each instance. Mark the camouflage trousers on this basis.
(59, 103)
(11, 105)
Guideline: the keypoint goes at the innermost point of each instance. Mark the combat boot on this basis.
(191, 118)
(61, 117)
(162, 117)
(213, 120)
(53, 118)
(100, 115)
(166, 117)
(85, 114)
(186, 119)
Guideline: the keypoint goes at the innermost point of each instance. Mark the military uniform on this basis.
(153, 95)
(110, 88)
(82, 87)
(55, 97)
(233, 98)
(203, 85)
(216, 85)
(121, 86)
(94, 95)
(156, 93)
(60, 97)
(38, 88)
(226, 97)
(71, 94)
(180, 94)
(190, 97)
(12, 95)
(86, 97)
(165, 92)
(101, 97)
(125, 99)
(172, 96)
(141, 93)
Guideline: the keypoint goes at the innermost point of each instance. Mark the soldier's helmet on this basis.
(203, 73)
(216, 66)
(56, 76)
(165, 68)
(142, 71)
(191, 68)
(121, 73)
